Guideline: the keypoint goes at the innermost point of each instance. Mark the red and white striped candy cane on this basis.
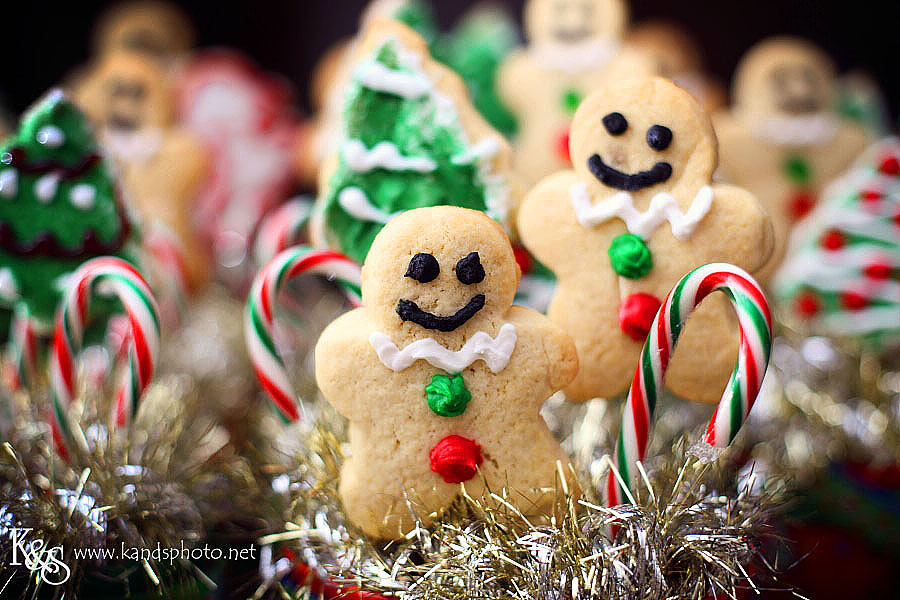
(281, 229)
(259, 316)
(647, 386)
(23, 349)
(105, 276)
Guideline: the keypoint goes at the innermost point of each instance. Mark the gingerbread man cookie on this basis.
(680, 59)
(574, 47)
(441, 379)
(157, 29)
(782, 139)
(637, 213)
(131, 99)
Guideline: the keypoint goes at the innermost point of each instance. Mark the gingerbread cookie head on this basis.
(643, 136)
(574, 21)
(676, 52)
(784, 77)
(156, 29)
(422, 279)
(127, 92)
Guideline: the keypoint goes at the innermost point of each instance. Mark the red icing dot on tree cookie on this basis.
(890, 165)
(636, 315)
(562, 147)
(853, 301)
(523, 259)
(456, 459)
(808, 304)
(800, 203)
(833, 240)
(871, 195)
(878, 270)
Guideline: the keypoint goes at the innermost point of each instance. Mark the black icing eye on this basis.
(659, 137)
(469, 269)
(615, 123)
(423, 268)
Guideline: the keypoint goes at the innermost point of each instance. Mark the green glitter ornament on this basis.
(447, 396)
(630, 256)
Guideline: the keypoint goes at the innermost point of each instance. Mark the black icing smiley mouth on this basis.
(797, 90)
(572, 35)
(659, 138)
(425, 268)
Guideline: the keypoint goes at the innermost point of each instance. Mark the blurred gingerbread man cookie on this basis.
(680, 60)
(441, 378)
(154, 28)
(636, 214)
(782, 138)
(575, 46)
(131, 99)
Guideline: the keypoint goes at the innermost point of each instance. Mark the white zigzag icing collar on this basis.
(495, 352)
(663, 207)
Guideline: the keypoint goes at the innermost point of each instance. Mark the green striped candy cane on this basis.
(647, 386)
(259, 315)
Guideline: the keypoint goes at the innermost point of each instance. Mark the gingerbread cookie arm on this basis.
(548, 227)
(549, 348)
(515, 75)
(347, 368)
(737, 230)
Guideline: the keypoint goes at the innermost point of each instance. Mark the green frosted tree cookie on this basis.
(59, 206)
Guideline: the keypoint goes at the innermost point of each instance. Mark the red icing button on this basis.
(562, 147)
(456, 459)
(636, 315)
(890, 165)
(871, 195)
(878, 270)
(523, 259)
(833, 240)
(808, 304)
(800, 204)
(853, 301)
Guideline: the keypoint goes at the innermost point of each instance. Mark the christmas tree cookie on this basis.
(783, 140)
(59, 206)
(410, 138)
(574, 47)
(842, 274)
(441, 378)
(639, 211)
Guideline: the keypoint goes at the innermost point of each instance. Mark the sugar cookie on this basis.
(639, 211)
(442, 380)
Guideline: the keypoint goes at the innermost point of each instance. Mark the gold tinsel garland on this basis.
(160, 484)
(693, 532)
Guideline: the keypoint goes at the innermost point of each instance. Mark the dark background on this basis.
(43, 40)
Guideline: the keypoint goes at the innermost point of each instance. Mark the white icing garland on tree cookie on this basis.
(383, 155)
(357, 204)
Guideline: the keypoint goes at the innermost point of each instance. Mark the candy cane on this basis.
(106, 276)
(23, 349)
(281, 229)
(647, 386)
(259, 316)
